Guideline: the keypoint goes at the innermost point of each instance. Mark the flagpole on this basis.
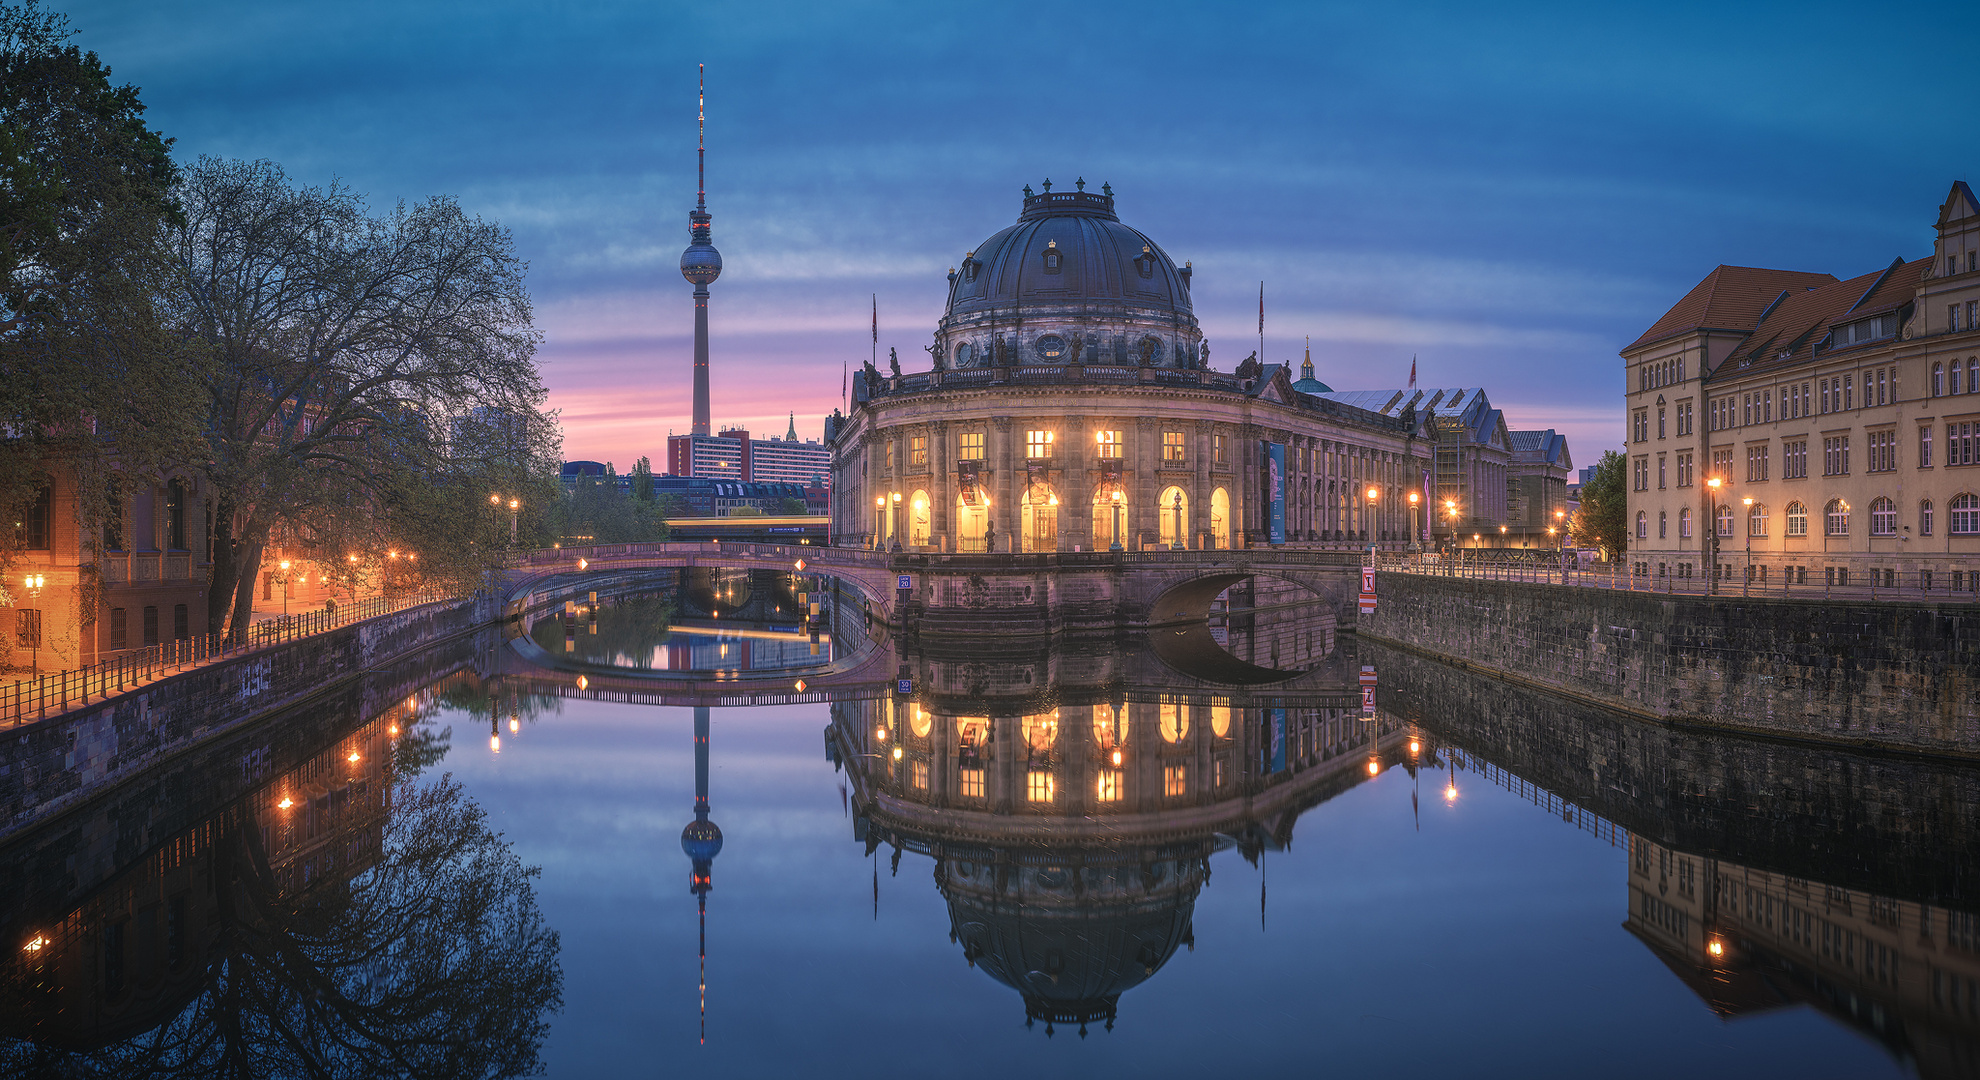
(1261, 324)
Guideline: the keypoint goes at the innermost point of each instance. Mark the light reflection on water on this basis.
(1253, 884)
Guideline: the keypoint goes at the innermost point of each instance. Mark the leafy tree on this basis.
(597, 511)
(352, 348)
(642, 479)
(91, 375)
(1603, 520)
(789, 507)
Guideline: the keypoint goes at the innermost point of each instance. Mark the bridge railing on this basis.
(825, 557)
(1833, 583)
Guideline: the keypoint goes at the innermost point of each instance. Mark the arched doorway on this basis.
(972, 523)
(1104, 501)
(1172, 509)
(1038, 519)
(1220, 519)
(919, 513)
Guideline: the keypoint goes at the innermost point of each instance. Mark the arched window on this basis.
(918, 518)
(1642, 525)
(1797, 519)
(1038, 518)
(1220, 519)
(1836, 517)
(1684, 524)
(1925, 517)
(1883, 517)
(1172, 515)
(1938, 379)
(1966, 515)
(964, 354)
(1756, 520)
(1663, 524)
(1725, 519)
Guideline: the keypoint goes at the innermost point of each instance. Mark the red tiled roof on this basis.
(1801, 322)
(1730, 298)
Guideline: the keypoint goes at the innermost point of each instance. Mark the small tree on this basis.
(642, 479)
(1603, 520)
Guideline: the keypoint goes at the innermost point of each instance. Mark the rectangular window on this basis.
(1037, 444)
(1038, 786)
(1217, 449)
(1794, 460)
(1835, 455)
(1925, 521)
(1959, 443)
(27, 628)
(120, 628)
(1107, 786)
(1756, 464)
(1722, 464)
(972, 783)
(1924, 448)
(1883, 451)
(917, 450)
(969, 446)
(1110, 445)
(150, 624)
(1660, 472)
(1684, 470)
(1175, 780)
(1172, 446)
(1952, 317)
(919, 775)
(181, 622)
(1849, 392)
(33, 531)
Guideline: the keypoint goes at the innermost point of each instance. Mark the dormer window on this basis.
(1146, 264)
(1863, 330)
(969, 266)
(1052, 256)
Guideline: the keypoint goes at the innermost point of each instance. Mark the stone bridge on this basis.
(987, 595)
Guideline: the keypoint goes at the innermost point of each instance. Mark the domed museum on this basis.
(1069, 387)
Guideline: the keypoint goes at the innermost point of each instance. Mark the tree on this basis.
(1603, 520)
(92, 378)
(790, 507)
(642, 479)
(350, 347)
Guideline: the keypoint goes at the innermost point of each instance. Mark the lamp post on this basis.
(1414, 547)
(1450, 518)
(1374, 496)
(515, 505)
(284, 564)
(1745, 585)
(879, 526)
(34, 584)
(1177, 543)
(894, 521)
(1712, 574)
(1116, 546)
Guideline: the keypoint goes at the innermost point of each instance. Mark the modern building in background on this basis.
(1840, 419)
(733, 455)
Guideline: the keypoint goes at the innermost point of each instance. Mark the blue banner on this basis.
(1275, 490)
(1278, 739)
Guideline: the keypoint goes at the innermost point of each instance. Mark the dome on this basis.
(1068, 283)
(701, 840)
(1312, 386)
(701, 263)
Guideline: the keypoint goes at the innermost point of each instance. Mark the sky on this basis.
(1508, 194)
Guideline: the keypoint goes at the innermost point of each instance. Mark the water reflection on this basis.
(1070, 832)
(700, 621)
(349, 917)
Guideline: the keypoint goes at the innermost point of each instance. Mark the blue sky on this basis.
(1510, 194)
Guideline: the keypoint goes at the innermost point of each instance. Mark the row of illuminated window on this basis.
(1041, 444)
(1964, 519)
(1820, 396)
(1042, 785)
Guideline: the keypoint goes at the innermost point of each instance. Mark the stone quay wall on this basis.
(52, 765)
(1898, 675)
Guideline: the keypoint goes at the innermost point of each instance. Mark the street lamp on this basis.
(1451, 515)
(879, 527)
(285, 588)
(1374, 496)
(894, 521)
(1414, 547)
(1117, 522)
(1177, 544)
(34, 584)
(1712, 575)
(514, 506)
(1744, 585)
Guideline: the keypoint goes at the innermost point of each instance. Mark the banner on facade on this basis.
(968, 477)
(1278, 723)
(1275, 491)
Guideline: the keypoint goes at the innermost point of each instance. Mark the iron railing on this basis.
(1957, 586)
(37, 697)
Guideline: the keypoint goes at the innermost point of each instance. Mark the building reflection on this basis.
(710, 621)
(1748, 940)
(1071, 826)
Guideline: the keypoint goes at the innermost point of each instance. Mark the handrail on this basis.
(28, 700)
(1938, 586)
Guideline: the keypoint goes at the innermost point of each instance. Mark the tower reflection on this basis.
(701, 841)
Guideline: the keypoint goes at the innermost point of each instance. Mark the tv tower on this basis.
(701, 263)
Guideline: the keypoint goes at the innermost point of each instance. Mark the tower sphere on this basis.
(701, 263)
(701, 840)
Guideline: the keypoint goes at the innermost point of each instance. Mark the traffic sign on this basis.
(906, 582)
(1367, 675)
(904, 686)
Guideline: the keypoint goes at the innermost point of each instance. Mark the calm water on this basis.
(1472, 882)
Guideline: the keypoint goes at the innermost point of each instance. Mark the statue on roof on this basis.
(934, 351)
(1250, 368)
(1203, 362)
(894, 361)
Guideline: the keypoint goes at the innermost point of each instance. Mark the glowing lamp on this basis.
(897, 753)
(353, 758)
(285, 803)
(495, 744)
(1374, 768)
(1117, 756)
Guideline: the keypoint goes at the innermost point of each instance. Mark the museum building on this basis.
(1814, 430)
(1069, 404)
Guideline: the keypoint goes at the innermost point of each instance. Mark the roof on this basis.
(1795, 329)
(1548, 447)
(1730, 298)
(1468, 403)
(1097, 259)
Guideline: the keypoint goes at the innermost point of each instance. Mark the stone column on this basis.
(1075, 486)
(1147, 483)
(941, 488)
(1199, 509)
(1004, 510)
